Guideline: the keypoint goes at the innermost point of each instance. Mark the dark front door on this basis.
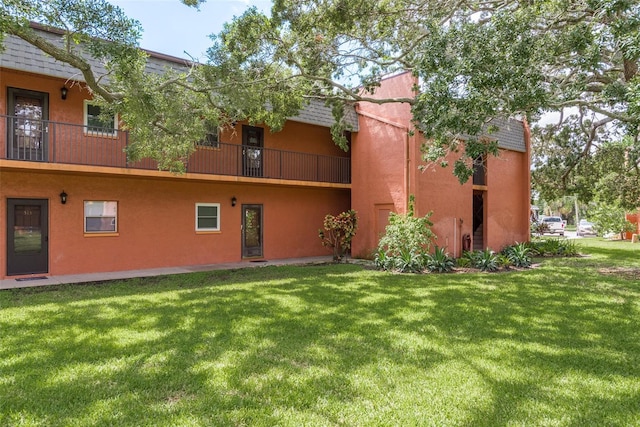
(27, 131)
(27, 236)
(252, 144)
(478, 221)
(251, 231)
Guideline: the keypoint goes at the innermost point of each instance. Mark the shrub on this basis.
(538, 228)
(439, 261)
(567, 248)
(409, 262)
(553, 247)
(503, 261)
(485, 260)
(406, 241)
(382, 261)
(611, 219)
(338, 232)
(518, 255)
(463, 262)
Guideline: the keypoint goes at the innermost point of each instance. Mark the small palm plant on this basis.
(440, 261)
(518, 255)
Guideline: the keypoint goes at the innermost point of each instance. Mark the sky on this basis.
(174, 29)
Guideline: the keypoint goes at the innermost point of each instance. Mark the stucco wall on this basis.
(385, 161)
(156, 220)
(378, 179)
(156, 216)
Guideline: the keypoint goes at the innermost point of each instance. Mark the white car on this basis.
(555, 225)
(585, 227)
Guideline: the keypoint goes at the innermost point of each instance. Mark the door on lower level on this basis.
(479, 227)
(251, 231)
(27, 236)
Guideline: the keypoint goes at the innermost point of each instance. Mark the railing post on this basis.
(52, 141)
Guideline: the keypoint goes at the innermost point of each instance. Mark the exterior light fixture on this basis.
(63, 198)
(234, 201)
(63, 92)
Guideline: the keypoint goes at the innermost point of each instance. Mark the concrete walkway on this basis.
(45, 280)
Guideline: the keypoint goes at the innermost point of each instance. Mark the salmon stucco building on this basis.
(491, 210)
(73, 203)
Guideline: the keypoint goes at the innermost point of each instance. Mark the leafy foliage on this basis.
(472, 62)
(338, 232)
(610, 219)
(485, 260)
(439, 261)
(518, 254)
(406, 240)
(607, 172)
(538, 228)
(553, 247)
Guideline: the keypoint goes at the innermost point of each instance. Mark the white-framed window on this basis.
(207, 216)
(212, 139)
(100, 216)
(97, 122)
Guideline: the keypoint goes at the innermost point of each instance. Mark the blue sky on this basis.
(173, 28)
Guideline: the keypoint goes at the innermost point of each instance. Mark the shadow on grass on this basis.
(325, 345)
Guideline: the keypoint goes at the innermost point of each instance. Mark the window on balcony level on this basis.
(99, 122)
(480, 171)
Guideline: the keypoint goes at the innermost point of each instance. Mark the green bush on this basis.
(439, 261)
(485, 260)
(611, 219)
(409, 262)
(463, 262)
(338, 232)
(406, 241)
(553, 247)
(538, 228)
(518, 255)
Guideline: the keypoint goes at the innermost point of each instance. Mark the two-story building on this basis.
(490, 210)
(73, 203)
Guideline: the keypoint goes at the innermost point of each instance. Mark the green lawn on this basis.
(558, 345)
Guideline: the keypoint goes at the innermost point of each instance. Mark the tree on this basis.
(611, 219)
(472, 60)
(610, 173)
(165, 113)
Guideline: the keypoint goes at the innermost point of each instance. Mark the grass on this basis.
(558, 345)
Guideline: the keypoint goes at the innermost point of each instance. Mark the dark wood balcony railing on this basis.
(54, 142)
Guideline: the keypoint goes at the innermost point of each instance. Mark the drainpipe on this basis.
(407, 169)
(527, 192)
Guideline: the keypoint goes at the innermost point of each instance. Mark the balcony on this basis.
(64, 143)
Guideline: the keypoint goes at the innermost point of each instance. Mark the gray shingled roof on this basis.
(510, 134)
(22, 56)
(317, 113)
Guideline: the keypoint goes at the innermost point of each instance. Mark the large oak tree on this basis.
(473, 61)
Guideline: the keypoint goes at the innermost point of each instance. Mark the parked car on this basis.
(554, 224)
(585, 227)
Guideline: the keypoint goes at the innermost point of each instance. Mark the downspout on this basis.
(407, 170)
(527, 192)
